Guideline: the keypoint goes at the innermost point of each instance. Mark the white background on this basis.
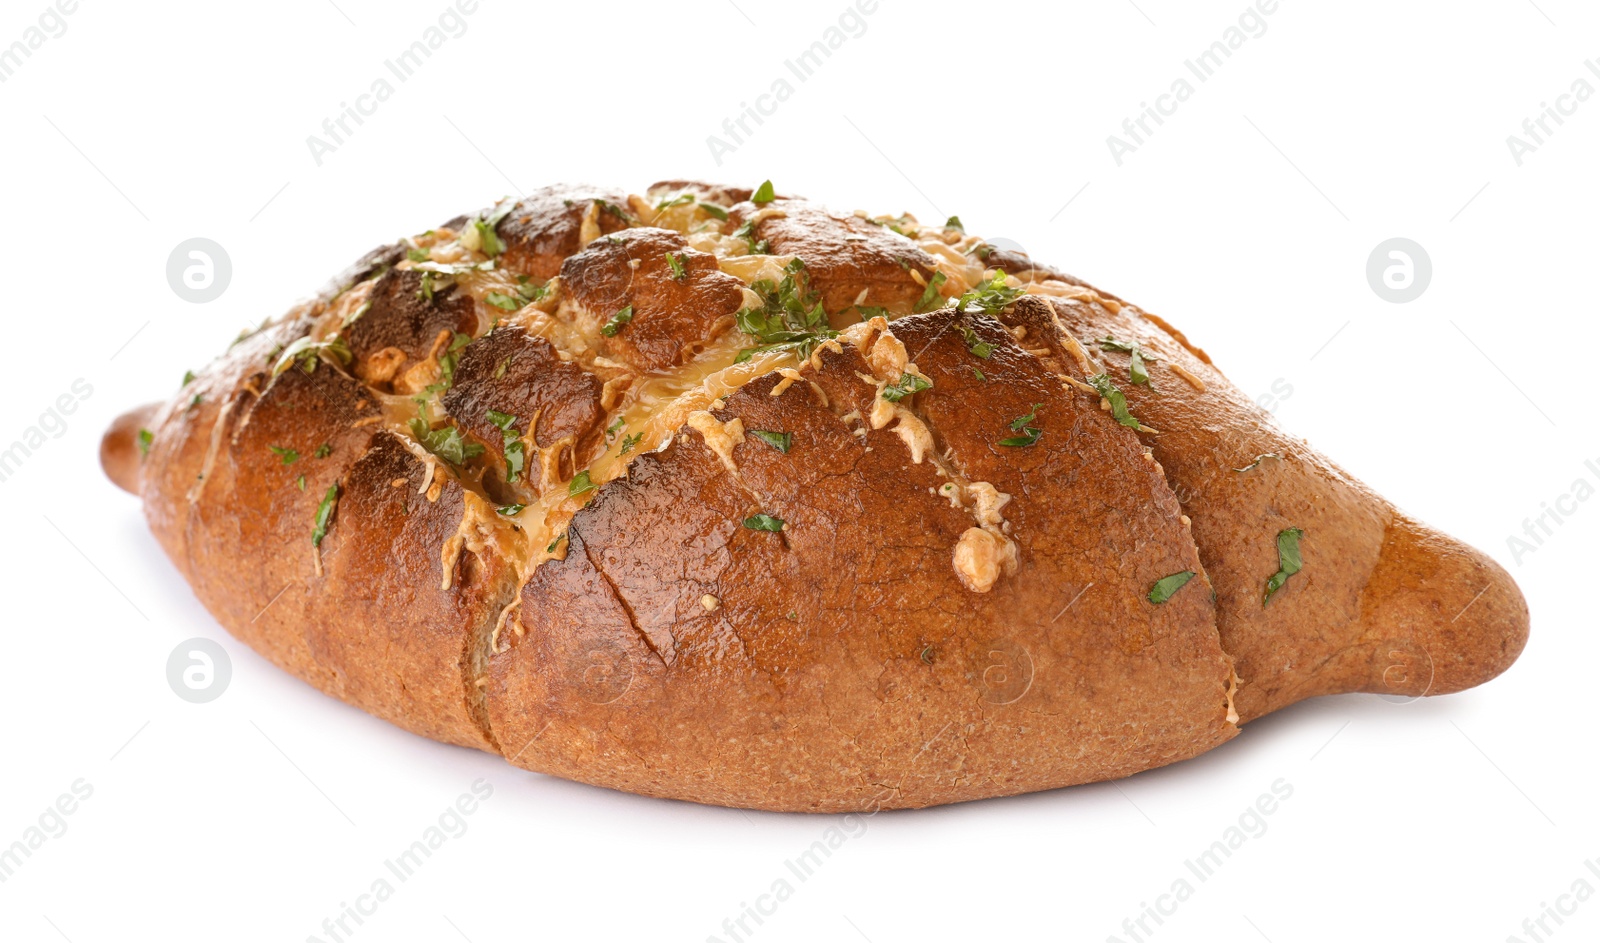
(1246, 220)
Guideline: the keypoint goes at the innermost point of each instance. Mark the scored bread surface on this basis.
(527, 482)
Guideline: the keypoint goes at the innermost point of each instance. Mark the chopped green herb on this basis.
(790, 316)
(1136, 370)
(954, 222)
(145, 438)
(300, 483)
(927, 655)
(330, 499)
(323, 451)
(909, 383)
(930, 294)
(528, 291)
(1119, 404)
(194, 400)
(516, 452)
(764, 193)
(868, 312)
(1030, 433)
(1289, 562)
(1259, 459)
(449, 359)
(488, 235)
(747, 232)
(617, 322)
(764, 522)
(580, 484)
(500, 371)
(188, 378)
(983, 350)
(417, 255)
(555, 543)
(991, 297)
(614, 428)
(979, 374)
(714, 210)
(509, 510)
(445, 443)
(778, 440)
(628, 442)
(1167, 585)
(675, 263)
(289, 456)
(682, 199)
(503, 301)
(607, 206)
(308, 351)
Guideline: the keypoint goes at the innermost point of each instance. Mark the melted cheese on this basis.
(720, 437)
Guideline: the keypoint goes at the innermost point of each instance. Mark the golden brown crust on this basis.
(516, 373)
(677, 298)
(907, 564)
(852, 261)
(546, 226)
(407, 314)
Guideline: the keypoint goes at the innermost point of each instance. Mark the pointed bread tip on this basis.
(1438, 616)
(121, 452)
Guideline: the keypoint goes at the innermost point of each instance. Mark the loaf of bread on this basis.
(713, 494)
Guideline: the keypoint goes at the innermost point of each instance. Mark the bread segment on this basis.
(523, 482)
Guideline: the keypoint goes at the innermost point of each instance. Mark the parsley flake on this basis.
(991, 297)
(1030, 433)
(488, 236)
(790, 316)
(580, 484)
(931, 298)
(330, 500)
(764, 193)
(1136, 370)
(675, 263)
(307, 352)
(983, 350)
(1119, 404)
(145, 438)
(764, 522)
(503, 301)
(516, 452)
(1289, 561)
(909, 383)
(446, 443)
(747, 232)
(617, 322)
(289, 456)
(1167, 585)
(778, 440)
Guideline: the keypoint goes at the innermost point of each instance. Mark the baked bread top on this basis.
(721, 495)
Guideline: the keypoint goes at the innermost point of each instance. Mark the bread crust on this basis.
(898, 550)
